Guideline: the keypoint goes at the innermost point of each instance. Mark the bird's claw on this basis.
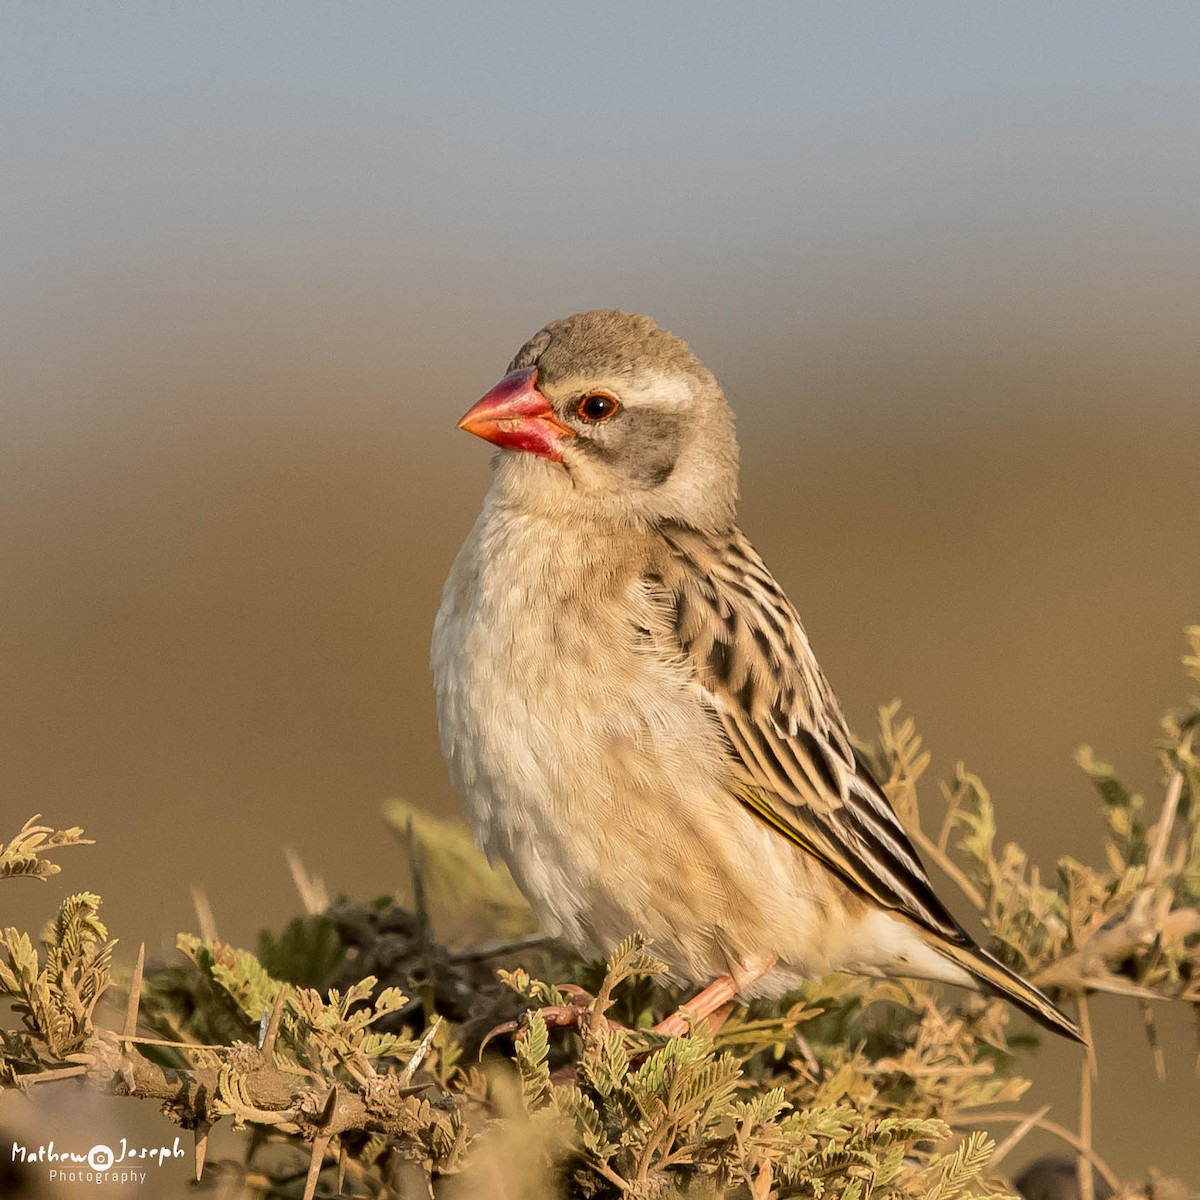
(500, 1030)
(556, 1016)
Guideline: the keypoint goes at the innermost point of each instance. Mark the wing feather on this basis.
(791, 756)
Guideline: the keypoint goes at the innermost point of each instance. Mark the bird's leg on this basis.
(718, 1018)
(720, 994)
(569, 1015)
(714, 1003)
(556, 1016)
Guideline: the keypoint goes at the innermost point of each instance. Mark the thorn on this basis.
(316, 1162)
(266, 1045)
(330, 1107)
(513, 1026)
(311, 888)
(201, 1133)
(129, 1029)
(419, 1053)
(807, 1057)
(343, 1162)
(424, 926)
(24, 1082)
(1017, 1135)
(204, 914)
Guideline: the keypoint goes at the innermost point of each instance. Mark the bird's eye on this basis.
(598, 406)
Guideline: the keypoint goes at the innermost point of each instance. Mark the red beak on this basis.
(516, 416)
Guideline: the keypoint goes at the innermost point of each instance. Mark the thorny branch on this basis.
(862, 1102)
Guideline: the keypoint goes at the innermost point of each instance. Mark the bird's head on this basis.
(603, 416)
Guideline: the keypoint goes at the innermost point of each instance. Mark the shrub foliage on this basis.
(509, 1068)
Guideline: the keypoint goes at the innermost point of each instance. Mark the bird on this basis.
(632, 710)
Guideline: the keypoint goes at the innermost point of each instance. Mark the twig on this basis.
(129, 1028)
(1087, 1190)
(1085, 1027)
(501, 948)
(27, 1081)
(951, 868)
(270, 1095)
(1162, 835)
(618, 1181)
(1059, 1131)
(317, 1161)
(953, 804)
(174, 1043)
(889, 1066)
(1114, 943)
(419, 1053)
(1017, 1136)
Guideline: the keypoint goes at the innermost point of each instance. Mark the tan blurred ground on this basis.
(223, 558)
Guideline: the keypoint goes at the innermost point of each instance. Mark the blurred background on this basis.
(258, 259)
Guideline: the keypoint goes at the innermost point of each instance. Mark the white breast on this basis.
(540, 670)
(575, 742)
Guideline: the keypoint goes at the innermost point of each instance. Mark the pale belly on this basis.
(590, 768)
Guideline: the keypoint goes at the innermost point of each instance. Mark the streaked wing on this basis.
(792, 759)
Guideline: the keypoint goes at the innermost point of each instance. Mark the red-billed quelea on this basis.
(631, 707)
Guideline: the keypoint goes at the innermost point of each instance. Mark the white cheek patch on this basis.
(668, 392)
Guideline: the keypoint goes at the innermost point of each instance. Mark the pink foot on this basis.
(717, 998)
(556, 1016)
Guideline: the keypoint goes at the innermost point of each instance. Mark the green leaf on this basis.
(533, 1053)
(307, 953)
